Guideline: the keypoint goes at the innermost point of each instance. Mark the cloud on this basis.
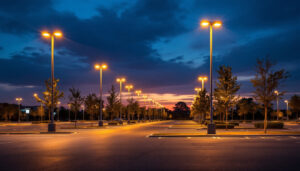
(10, 87)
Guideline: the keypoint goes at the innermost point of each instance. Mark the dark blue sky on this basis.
(156, 44)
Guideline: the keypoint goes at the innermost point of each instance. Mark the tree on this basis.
(265, 82)
(47, 95)
(113, 104)
(181, 111)
(75, 100)
(91, 103)
(8, 111)
(295, 105)
(246, 106)
(201, 105)
(226, 88)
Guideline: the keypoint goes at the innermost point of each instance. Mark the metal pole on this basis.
(19, 111)
(287, 109)
(202, 84)
(100, 94)
(277, 107)
(120, 99)
(211, 128)
(51, 125)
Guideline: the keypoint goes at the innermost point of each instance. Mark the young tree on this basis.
(47, 95)
(201, 105)
(113, 103)
(91, 103)
(265, 82)
(75, 100)
(295, 105)
(226, 88)
(246, 106)
(181, 111)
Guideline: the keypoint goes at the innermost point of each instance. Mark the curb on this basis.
(257, 135)
(28, 133)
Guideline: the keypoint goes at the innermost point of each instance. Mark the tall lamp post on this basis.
(100, 68)
(51, 125)
(58, 110)
(82, 112)
(211, 127)
(129, 87)
(202, 79)
(121, 80)
(19, 100)
(287, 109)
(197, 89)
(277, 101)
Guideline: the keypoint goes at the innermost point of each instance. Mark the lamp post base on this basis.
(211, 129)
(51, 127)
(101, 123)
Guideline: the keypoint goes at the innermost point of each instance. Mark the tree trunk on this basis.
(226, 115)
(266, 119)
(252, 116)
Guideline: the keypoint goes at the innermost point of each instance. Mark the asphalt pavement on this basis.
(130, 148)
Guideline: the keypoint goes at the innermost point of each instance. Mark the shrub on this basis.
(271, 125)
(113, 123)
(223, 126)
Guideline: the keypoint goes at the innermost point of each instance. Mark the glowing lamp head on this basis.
(46, 34)
(204, 23)
(97, 66)
(57, 34)
(286, 101)
(276, 92)
(58, 102)
(217, 24)
(35, 95)
(120, 79)
(104, 66)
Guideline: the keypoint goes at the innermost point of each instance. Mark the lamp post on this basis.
(69, 105)
(121, 80)
(19, 100)
(197, 89)
(35, 95)
(138, 92)
(129, 87)
(202, 79)
(100, 68)
(58, 110)
(277, 101)
(287, 109)
(51, 125)
(211, 127)
(82, 112)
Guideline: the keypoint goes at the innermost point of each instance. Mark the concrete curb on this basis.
(190, 135)
(28, 133)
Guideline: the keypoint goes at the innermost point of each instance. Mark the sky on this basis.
(156, 44)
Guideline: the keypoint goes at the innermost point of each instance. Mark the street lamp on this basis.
(19, 100)
(197, 89)
(51, 125)
(82, 106)
(211, 127)
(121, 80)
(202, 79)
(287, 108)
(129, 87)
(69, 105)
(277, 99)
(145, 97)
(58, 110)
(100, 68)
